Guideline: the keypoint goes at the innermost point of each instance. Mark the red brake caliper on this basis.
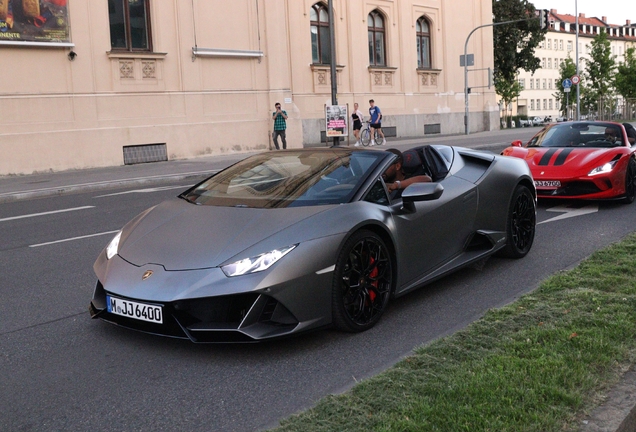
(373, 274)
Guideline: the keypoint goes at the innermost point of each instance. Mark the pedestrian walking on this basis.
(376, 122)
(280, 125)
(357, 118)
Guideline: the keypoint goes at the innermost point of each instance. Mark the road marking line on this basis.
(569, 212)
(74, 238)
(148, 190)
(46, 213)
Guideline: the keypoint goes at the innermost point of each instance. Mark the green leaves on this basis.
(626, 75)
(515, 43)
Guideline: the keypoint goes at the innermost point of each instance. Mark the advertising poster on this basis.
(34, 21)
(336, 120)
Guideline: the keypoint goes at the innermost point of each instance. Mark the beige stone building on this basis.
(537, 98)
(108, 82)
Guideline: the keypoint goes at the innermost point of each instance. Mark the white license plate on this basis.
(547, 183)
(131, 309)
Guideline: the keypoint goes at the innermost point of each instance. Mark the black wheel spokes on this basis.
(631, 180)
(523, 222)
(366, 281)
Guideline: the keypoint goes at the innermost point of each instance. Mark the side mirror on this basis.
(422, 192)
(517, 143)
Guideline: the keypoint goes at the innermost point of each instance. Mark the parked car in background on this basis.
(561, 119)
(537, 121)
(525, 123)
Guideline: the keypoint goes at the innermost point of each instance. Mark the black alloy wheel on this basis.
(630, 182)
(363, 280)
(521, 224)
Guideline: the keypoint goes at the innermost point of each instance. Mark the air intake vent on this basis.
(145, 153)
(432, 128)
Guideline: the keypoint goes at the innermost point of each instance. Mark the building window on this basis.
(377, 54)
(544, 84)
(320, 41)
(549, 63)
(531, 84)
(569, 45)
(545, 104)
(561, 45)
(129, 25)
(532, 104)
(423, 34)
(550, 84)
(550, 103)
(549, 43)
(543, 63)
(522, 83)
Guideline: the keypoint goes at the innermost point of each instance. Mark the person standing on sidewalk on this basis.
(357, 118)
(376, 122)
(280, 125)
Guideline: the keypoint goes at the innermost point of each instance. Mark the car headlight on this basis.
(257, 263)
(113, 246)
(605, 168)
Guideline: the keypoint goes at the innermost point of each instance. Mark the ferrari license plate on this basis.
(547, 183)
(131, 309)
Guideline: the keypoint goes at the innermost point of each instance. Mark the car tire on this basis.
(630, 182)
(363, 282)
(520, 224)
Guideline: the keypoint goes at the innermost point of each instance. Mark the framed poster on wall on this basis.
(30, 22)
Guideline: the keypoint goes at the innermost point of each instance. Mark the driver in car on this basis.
(394, 176)
(611, 134)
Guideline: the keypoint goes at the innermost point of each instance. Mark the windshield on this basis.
(581, 134)
(287, 179)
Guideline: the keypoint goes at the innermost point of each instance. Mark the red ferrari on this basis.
(581, 160)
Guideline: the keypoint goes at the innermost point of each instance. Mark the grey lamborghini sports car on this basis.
(292, 240)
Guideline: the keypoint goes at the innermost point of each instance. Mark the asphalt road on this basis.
(63, 371)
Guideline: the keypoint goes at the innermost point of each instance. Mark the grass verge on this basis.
(539, 364)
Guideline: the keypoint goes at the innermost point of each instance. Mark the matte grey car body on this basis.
(288, 241)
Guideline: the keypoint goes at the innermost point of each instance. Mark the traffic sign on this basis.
(576, 79)
(567, 83)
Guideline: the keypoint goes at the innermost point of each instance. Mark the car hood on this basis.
(181, 236)
(560, 159)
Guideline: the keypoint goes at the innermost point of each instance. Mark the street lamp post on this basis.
(332, 43)
(578, 97)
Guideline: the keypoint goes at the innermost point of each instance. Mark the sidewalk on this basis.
(17, 187)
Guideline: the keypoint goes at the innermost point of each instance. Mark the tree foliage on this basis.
(626, 75)
(508, 90)
(600, 72)
(515, 43)
(566, 71)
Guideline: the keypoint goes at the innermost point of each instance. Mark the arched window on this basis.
(320, 44)
(377, 54)
(423, 33)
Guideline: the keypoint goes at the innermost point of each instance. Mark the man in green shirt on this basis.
(280, 124)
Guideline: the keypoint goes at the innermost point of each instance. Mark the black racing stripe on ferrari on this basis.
(547, 156)
(560, 160)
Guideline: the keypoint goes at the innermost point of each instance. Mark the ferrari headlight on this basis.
(257, 263)
(113, 246)
(605, 168)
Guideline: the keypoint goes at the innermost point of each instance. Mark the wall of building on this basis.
(58, 114)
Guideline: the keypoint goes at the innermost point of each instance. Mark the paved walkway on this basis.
(15, 187)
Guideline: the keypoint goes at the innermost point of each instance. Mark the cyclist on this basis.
(376, 122)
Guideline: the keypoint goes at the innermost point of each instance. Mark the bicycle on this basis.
(365, 135)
